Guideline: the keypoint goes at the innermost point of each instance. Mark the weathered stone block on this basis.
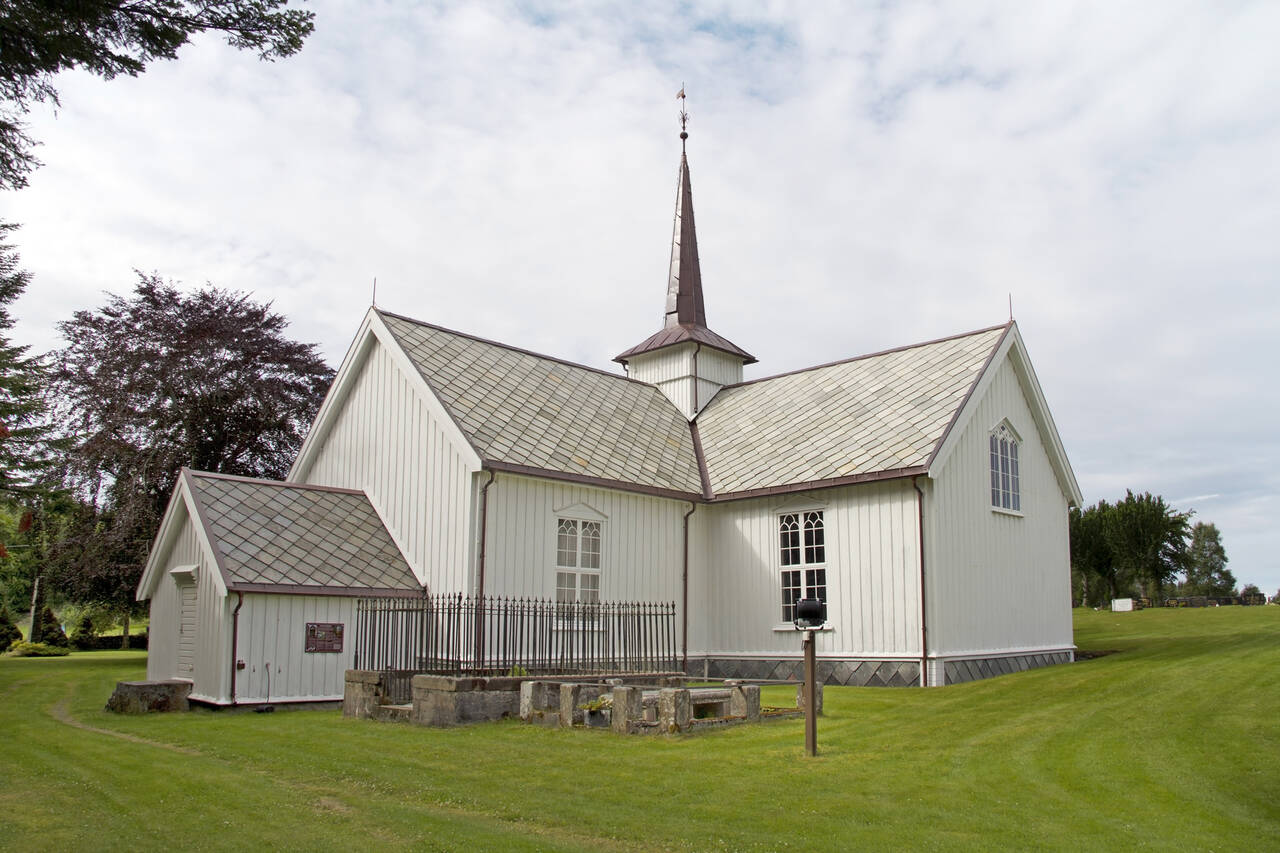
(452, 707)
(144, 697)
(628, 708)
(744, 701)
(533, 699)
(817, 696)
(569, 711)
(362, 693)
(674, 709)
(448, 683)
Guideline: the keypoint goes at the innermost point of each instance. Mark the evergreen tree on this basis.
(1091, 558)
(51, 633)
(24, 432)
(1207, 572)
(9, 632)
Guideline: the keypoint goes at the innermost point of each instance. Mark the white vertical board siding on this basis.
(641, 551)
(719, 367)
(166, 604)
(997, 581)
(872, 573)
(212, 678)
(387, 441)
(272, 635)
(662, 365)
(671, 370)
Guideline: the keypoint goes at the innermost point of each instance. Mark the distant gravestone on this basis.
(1121, 605)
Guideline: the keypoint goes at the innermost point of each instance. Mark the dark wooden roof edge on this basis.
(341, 591)
(839, 362)
(509, 347)
(708, 496)
(702, 460)
(200, 516)
(686, 333)
(831, 483)
(258, 481)
(955, 416)
(587, 480)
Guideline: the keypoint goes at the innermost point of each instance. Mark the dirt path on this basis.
(61, 711)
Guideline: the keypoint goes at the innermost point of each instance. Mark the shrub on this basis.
(36, 650)
(83, 636)
(51, 630)
(9, 632)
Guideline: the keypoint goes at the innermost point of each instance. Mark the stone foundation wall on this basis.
(960, 671)
(856, 673)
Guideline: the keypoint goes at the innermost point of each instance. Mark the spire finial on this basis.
(684, 118)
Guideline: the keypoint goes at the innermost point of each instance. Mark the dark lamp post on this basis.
(809, 617)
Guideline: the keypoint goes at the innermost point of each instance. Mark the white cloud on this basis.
(863, 177)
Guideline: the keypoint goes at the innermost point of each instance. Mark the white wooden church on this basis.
(920, 492)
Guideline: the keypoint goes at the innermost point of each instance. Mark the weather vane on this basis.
(684, 118)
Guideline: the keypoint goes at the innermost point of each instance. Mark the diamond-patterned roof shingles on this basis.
(277, 533)
(525, 409)
(877, 413)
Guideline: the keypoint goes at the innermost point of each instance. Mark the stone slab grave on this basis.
(639, 708)
(144, 697)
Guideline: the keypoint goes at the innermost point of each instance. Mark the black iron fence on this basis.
(460, 635)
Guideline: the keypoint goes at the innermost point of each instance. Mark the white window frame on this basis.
(1005, 469)
(573, 566)
(803, 556)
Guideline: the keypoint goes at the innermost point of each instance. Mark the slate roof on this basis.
(878, 413)
(523, 409)
(286, 534)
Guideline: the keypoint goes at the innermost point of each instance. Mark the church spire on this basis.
(685, 319)
(684, 284)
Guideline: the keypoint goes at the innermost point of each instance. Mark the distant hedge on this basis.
(109, 643)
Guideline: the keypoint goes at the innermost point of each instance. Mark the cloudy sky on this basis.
(865, 176)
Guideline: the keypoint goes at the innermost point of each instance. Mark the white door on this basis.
(187, 631)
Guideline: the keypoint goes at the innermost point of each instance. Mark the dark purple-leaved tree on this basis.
(163, 380)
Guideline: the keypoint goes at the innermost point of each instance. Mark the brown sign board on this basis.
(324, 637)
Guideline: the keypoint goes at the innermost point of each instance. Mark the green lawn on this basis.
(1173, 743)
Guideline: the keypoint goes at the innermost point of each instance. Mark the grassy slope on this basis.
(1171, 744)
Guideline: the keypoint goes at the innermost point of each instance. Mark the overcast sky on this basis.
(865, 176)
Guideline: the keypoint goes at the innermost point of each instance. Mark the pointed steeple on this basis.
(684, 284)
(686, 360)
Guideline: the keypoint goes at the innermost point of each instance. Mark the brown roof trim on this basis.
(708, 496)
(955, 416)
(583, 479)
(702, 460)
(789, 488)
(501, 345)
(340, 591)
(201, 518)
(869, 355)
(209, 475)
(686, 333)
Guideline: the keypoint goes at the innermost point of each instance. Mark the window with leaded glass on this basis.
(803, 556)
(1006, 492)
(578, 547)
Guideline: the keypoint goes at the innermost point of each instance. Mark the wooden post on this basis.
(810, 697)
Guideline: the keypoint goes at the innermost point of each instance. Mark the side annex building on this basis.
(921, 493)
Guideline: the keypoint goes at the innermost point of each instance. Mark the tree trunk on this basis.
(33, 634)
(1084, 589)
(124, 639)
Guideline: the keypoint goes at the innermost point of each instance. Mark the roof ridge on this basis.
(521, 350)
(259, 481)
(852, 359)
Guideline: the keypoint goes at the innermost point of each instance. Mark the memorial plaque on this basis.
(324, 637)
